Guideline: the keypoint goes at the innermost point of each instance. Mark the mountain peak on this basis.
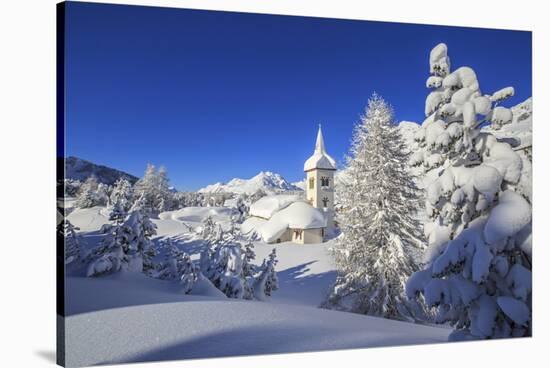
(267, 181)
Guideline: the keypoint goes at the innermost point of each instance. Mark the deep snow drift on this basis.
(131, 317)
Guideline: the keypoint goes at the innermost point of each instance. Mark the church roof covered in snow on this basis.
(320, 158)
(266, 206)
(284, 212)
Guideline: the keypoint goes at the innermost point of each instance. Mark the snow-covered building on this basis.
(289, 217)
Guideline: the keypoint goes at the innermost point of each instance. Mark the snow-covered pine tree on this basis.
(380, 230)
(226, 262)
(177, 265)
(210, 231)
(478, 273)
(127, 246)
(146, 190)
(188, 274)
(165, 197)
(154, 189)
(102, 194)
(266, 282)
(87, 193)
(122, 193)
(117, 213)
(242, 207)
(249, 269)
(73, 250)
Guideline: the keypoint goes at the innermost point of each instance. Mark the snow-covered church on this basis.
(291, 217)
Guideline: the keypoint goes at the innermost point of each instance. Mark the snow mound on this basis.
(206, 329)
(197, 214)
(89, 219)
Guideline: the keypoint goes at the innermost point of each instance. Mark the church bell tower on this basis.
(319, 169)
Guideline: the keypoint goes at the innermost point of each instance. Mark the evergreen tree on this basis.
(127, 246)
(146, 190)
(177, 265)
(227, 263)
(122, 193)
(154, 189)
(249, 269)
(478, 263)
(188, 274)
(73, 250)
(267, 282)
(374, 254)
(87, 193)
(102, 194)
(117, 213)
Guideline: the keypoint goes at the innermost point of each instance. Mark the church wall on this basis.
(313, 236)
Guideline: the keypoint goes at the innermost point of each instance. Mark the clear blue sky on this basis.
(217, 95)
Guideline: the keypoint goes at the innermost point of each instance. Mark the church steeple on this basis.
(320, 168)
(320, 143)
(320, 158)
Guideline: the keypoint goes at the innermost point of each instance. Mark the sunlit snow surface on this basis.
(131, 317)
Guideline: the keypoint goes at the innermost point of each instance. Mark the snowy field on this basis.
(130, 317)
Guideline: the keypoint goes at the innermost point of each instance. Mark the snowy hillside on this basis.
(79, 169)
(267, 181)
(173, 325)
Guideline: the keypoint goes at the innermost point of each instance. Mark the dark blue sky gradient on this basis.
(217, 95)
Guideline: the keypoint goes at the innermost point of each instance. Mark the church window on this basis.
(311, 183)
(324, 181)
(325, 202)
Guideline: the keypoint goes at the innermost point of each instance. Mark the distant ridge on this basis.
(79, 169)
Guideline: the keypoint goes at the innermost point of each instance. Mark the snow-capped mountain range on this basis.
(79, 169)
(267, 181)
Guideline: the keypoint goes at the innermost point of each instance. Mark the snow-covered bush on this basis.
(73, 250)
(378, 221)
(266, 281)
(127, 246)
(478, 264)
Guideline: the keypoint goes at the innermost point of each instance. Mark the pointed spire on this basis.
(320, 144)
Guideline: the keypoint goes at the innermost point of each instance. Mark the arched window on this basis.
(311, 183)
(324, 181)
